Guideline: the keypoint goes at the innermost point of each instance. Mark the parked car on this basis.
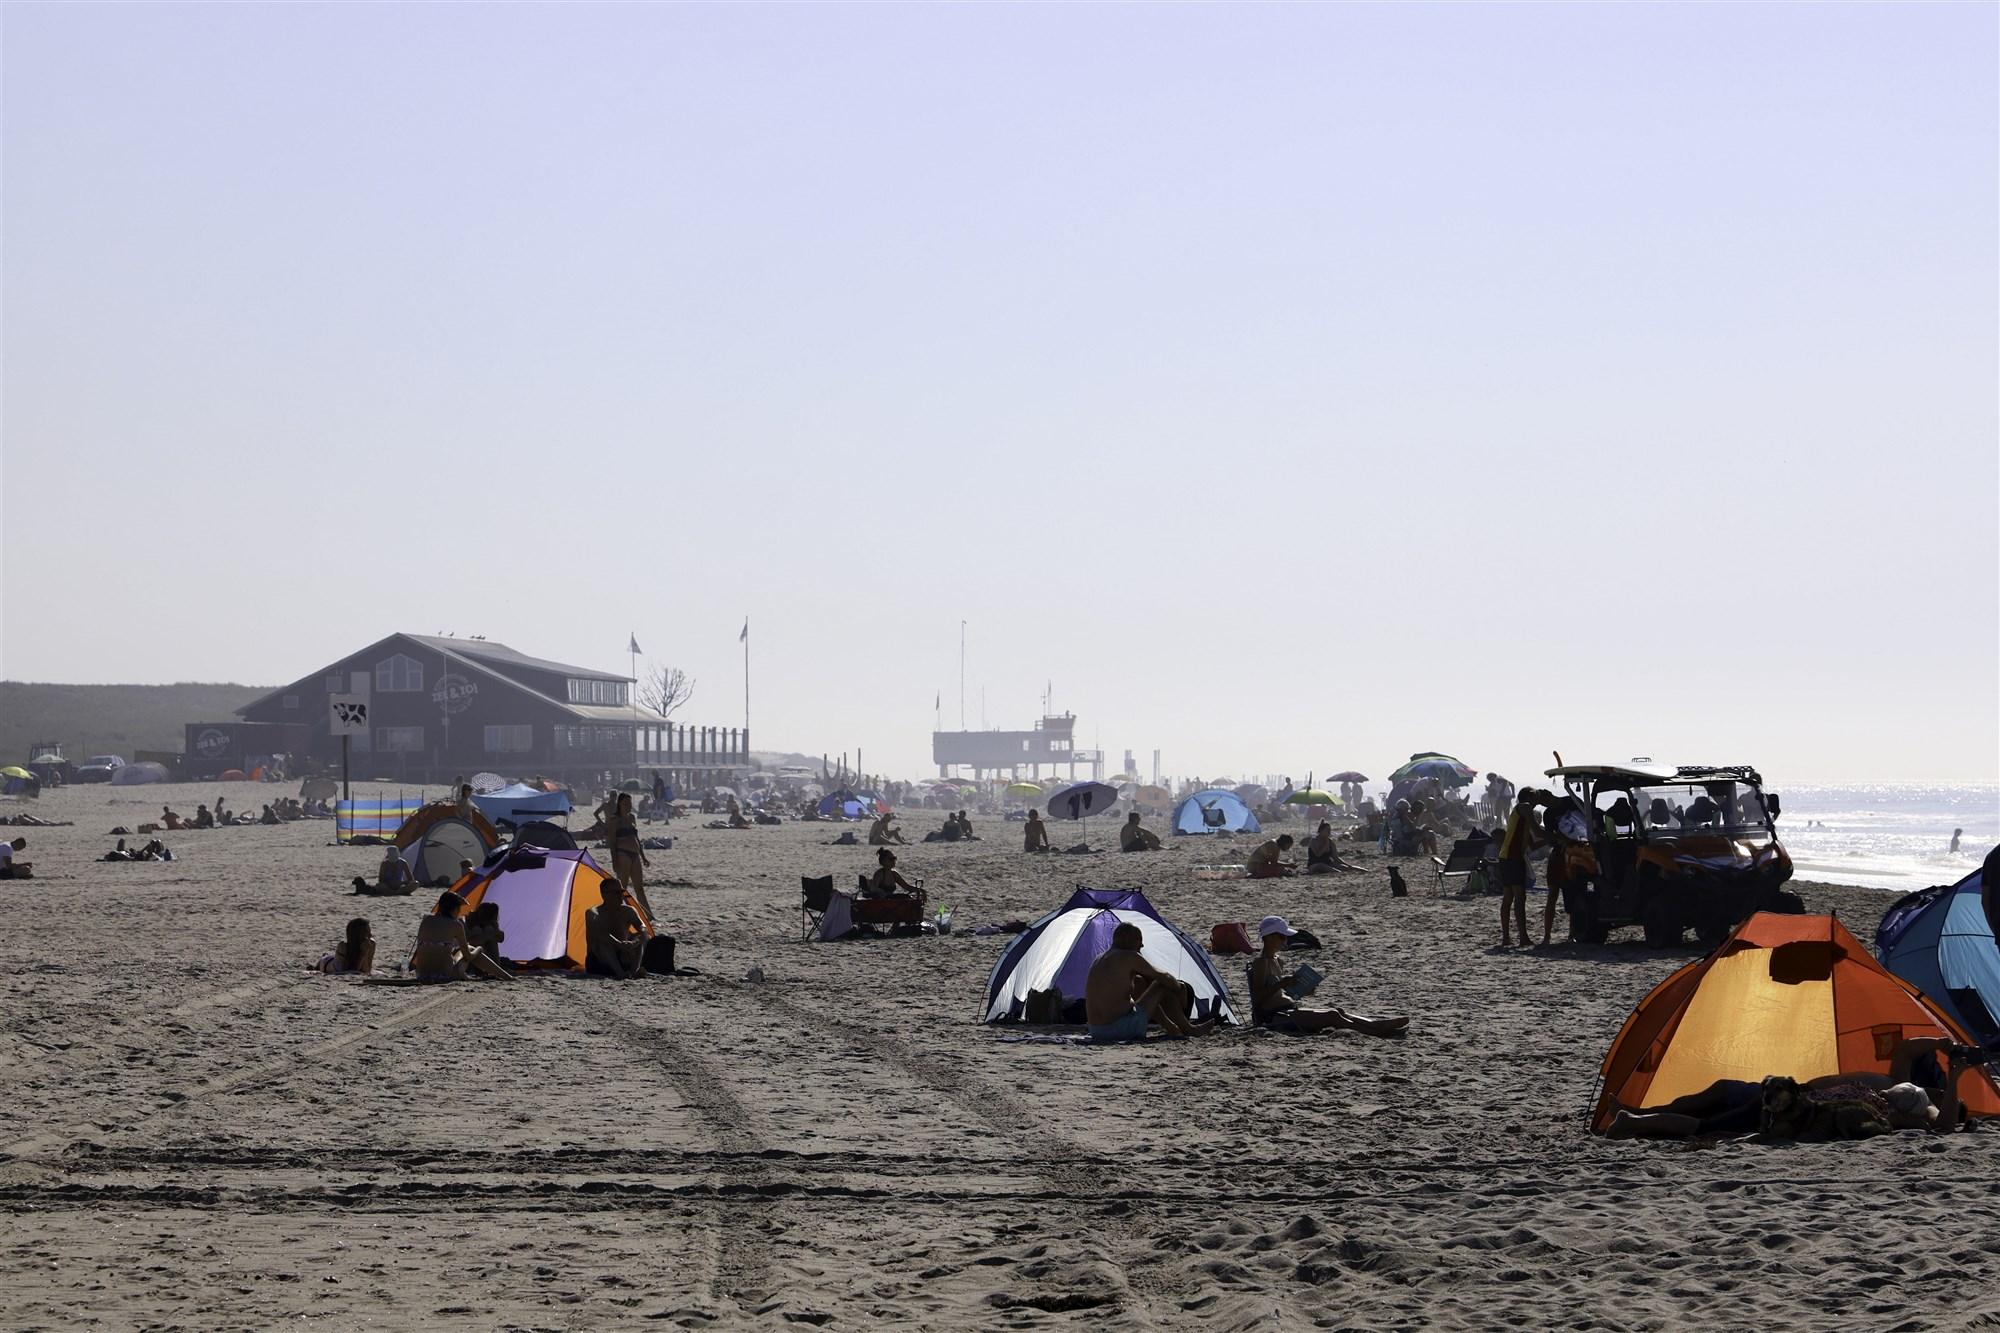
(98, 768)
(1697, 848)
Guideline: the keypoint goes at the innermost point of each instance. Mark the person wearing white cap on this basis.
(1273, 1006)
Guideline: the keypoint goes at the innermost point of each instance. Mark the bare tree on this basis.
(665, 688)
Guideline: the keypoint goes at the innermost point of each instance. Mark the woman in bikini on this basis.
(443, 953)
(628, 854)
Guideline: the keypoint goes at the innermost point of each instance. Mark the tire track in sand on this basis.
(271, 1068)
(1073, 1172)
(740, 1275)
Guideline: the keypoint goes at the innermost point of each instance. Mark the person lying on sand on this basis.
(882, 833)
(1272, 1005)
(1134, 838)
(1833, 1106)
(443, 953)
(1322, 857)
(392, 877)
(1267, 861)
(1034, 834)
(356, 953)
(1124, 994)
(887, 882)
(616, 937)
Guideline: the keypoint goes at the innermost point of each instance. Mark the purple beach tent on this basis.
(1059, 949)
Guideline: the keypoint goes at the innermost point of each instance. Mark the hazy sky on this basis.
(1293, 386)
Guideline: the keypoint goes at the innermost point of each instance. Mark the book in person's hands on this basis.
(1305, 980)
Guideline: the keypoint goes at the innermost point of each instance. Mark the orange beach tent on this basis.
(542, 894)
(1790, 995)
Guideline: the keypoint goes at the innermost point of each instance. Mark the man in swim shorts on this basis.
(1124, 994)
(615, 936)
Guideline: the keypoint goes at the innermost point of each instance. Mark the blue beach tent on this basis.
(1215, 811)
(1937, 939)
(520, 804)
(1057, 952)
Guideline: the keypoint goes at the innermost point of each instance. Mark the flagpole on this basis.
(746, 682)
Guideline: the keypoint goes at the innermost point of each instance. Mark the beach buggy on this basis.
(1693, 849)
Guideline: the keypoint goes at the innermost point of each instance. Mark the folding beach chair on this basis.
(815, 896)
(1467, 854)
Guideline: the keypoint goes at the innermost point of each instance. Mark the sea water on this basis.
(1893, 835)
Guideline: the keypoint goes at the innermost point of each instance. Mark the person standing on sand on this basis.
(1124, 994)
(628, 854)
(1520, 838)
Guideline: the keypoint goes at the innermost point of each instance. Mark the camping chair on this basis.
(815, 896)
(1467, 854)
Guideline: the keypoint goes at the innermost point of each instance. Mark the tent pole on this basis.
(346, 792)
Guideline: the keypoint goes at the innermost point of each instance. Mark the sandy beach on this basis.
(199, 1132)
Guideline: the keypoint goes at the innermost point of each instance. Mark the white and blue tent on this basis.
(1215, 811)
(1938, 940)
(521, 803)
(1057, 951)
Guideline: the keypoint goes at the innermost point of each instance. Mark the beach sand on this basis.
(198, 1132)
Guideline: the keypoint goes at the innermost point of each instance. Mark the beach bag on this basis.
(1230, 937)
(659, 955)
(1043, 1006)
(1301, 939)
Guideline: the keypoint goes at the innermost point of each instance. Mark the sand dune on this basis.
(200, 1133)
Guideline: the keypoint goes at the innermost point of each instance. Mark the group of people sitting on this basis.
(1267, 860)
(455, 945)
(1125, 996)
(957, 828)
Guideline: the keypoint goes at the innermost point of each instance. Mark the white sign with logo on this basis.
(349, 716)
(211, 743)
(454, 693)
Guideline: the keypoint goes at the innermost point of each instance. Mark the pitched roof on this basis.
(499, 655)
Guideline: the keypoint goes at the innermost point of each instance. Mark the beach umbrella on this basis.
(485, 784)
(15, 771)
(1253, 793)
(1430, 764)
(1348, 776)
(1311, 796)
(1154, 796)
(1023, 789)
(1081, 802)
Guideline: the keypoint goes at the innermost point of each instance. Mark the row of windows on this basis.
(599, 692)
(599, 740)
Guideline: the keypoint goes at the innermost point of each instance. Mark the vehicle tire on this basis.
(1787, 902)
(1661, 922)
(1712, 930)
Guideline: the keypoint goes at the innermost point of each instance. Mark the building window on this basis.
(334, 682)
(292, 702)
(399, 675)
(399, 740)
(599, 692)
(511, 739)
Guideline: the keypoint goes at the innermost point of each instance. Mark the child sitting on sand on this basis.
(1272, 1005)
(356, 953)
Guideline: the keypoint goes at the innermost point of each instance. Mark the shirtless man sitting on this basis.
(1272, 1005)
(882, 833)
(616, 937)
(203, 818)
(1124, 994)
(171, 819)
(1134, 838)
(1268, 862)
(1035, 835)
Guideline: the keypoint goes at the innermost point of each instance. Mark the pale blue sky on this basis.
(1293, 385)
